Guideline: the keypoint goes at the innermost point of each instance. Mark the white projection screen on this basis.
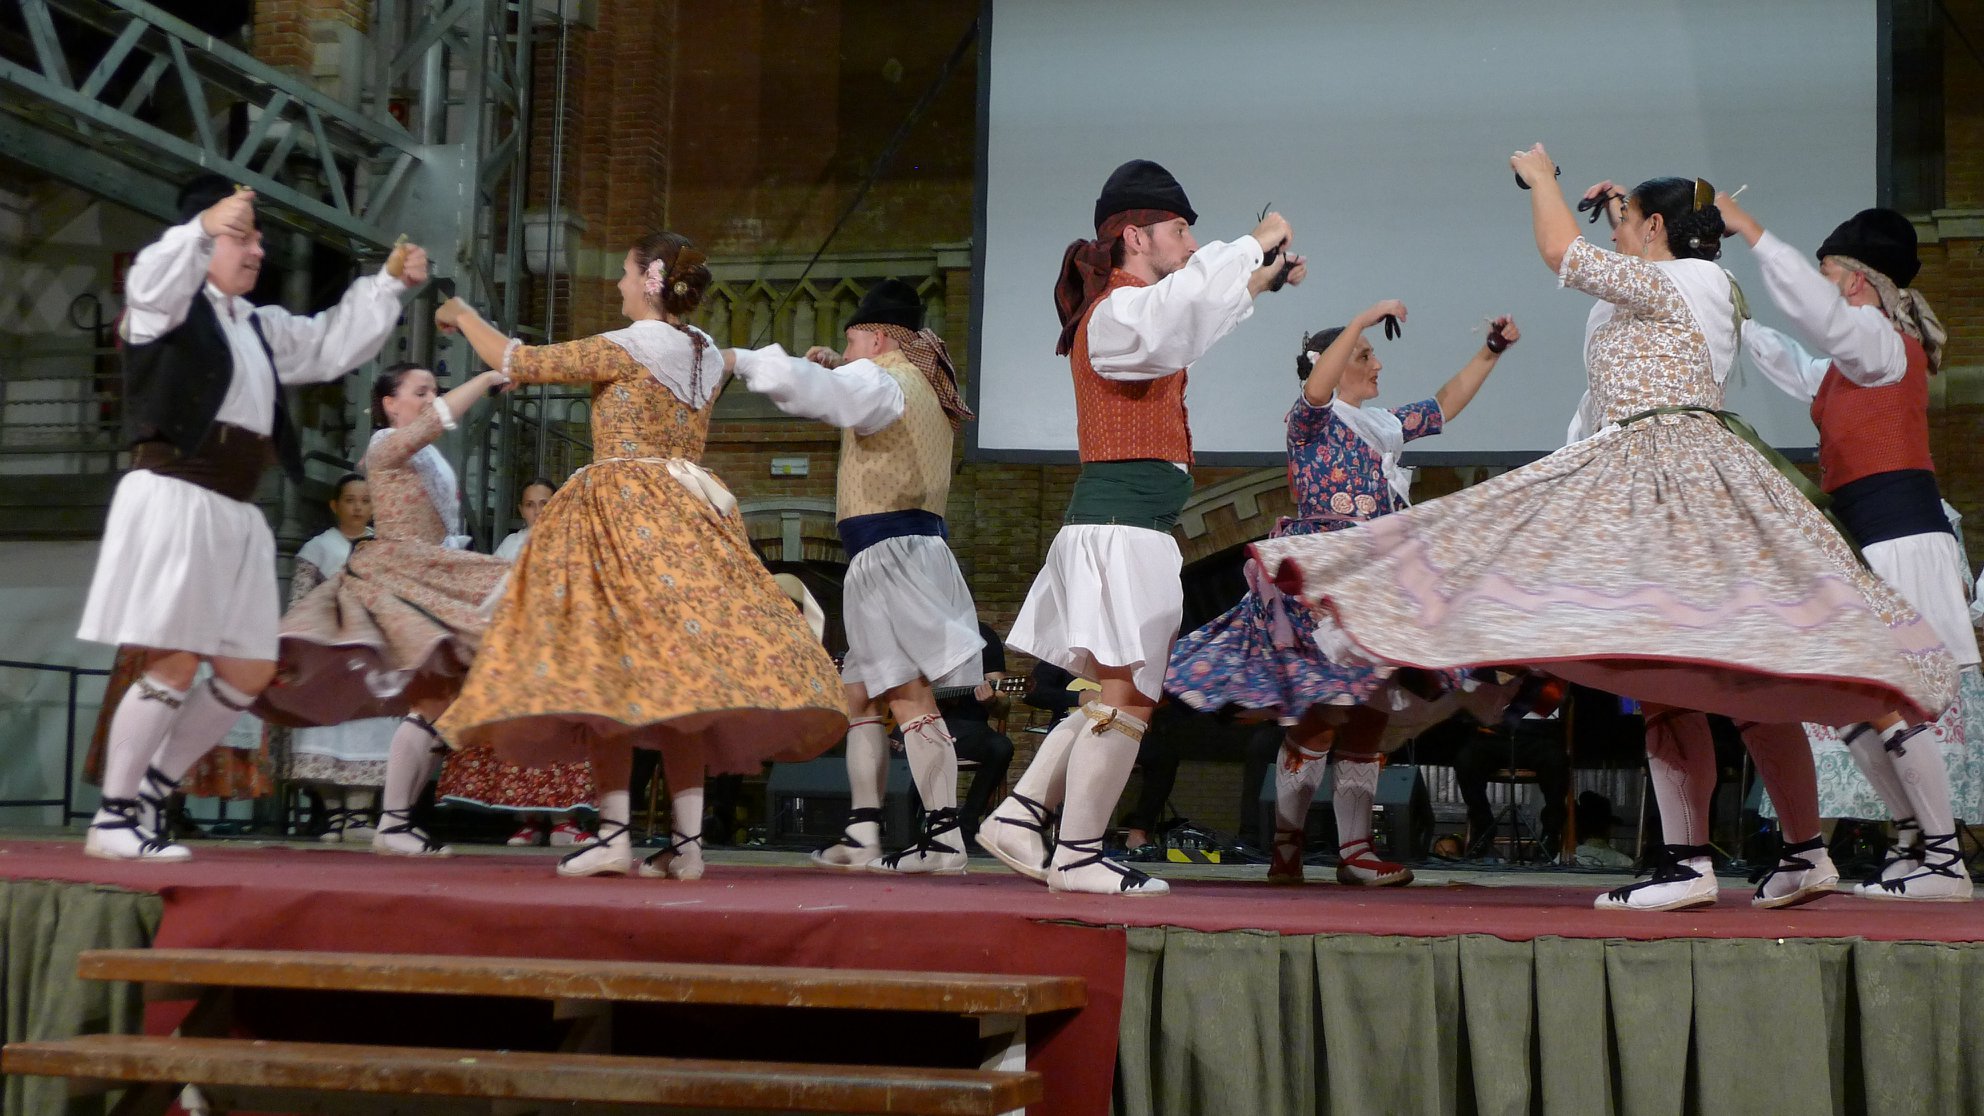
(1382, 131)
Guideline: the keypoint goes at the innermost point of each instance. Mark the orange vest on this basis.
(1127, 420)
(1868, 430)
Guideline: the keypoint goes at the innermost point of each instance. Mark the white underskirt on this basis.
(365, 740)
(909, 614)
(1107, 596)
(183, 568)
(1929, 571)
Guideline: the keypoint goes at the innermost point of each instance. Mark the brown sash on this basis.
(230, 461)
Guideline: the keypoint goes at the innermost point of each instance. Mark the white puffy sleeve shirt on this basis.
(309, 349)
(1146, 333)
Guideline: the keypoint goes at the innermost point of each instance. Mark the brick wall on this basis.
(285, 32)
(749, 126)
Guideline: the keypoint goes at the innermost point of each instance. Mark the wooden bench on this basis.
(582, 994)
(292, 1076)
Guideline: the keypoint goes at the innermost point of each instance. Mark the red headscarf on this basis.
(1086, 265)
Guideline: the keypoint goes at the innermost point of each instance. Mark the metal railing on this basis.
(68, 800)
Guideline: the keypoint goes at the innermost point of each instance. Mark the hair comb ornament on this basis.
(1704, 195)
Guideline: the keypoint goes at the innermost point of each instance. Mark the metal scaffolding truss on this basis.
(126, 101)
(347, 174)
(325, 166)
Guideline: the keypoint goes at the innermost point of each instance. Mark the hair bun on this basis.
(686, 261)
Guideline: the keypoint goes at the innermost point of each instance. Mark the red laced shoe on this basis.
(1360, 867)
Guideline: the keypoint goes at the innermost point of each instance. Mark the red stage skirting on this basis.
(992, 921)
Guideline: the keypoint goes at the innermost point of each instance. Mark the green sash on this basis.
(1147, 494)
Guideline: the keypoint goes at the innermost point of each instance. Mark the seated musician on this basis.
(968, 713)
(1529, 737)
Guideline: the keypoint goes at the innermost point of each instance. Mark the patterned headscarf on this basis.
(931, 357)
(1906, 308)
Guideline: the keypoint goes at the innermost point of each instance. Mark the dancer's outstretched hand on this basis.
(449, 314)
(1502, 333)
(1273, 232)
(1298, 272)
(1534, 166)
(1379, 311)
(824, 357)
(413, 264)
(1736, 220)
(1614, 201)
(233, 215)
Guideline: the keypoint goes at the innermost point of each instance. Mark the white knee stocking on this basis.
(1352, 795)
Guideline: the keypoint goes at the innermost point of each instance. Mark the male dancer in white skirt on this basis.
(1870, 401)
(1138, 305)
(187, 567)
(911, 624)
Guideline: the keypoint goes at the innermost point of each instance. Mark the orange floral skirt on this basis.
(640, 614)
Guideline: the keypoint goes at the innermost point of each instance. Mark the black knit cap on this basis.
(1880, 238)
(889, 302)
(1142, 184)
(200, 193)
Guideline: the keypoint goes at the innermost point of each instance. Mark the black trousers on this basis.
(1537, 749)
(1157, 757)
(1263, 749)
(991, 751)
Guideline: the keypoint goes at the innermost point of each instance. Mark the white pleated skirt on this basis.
(1107, 596)
(183, 568)
(1929, 571)
(909, 614)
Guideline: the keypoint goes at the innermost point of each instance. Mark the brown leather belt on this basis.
(230, 461)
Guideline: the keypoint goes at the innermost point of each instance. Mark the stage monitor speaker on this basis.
(807, 803)
(1401, 825)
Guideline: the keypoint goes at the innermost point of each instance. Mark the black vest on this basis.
(174, 386)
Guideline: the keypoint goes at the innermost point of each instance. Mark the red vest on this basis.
(1127, 420)
(1869, 430)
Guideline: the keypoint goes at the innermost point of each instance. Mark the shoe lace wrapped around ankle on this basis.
(926, 843)
(1948, 863)
(661, 860)
(1132, 879)
(1898, 853)
(1788, 860)
(866, 814)
(125, 813)
(1042, 822)
(1666, 868)
(403, 823)
(609, 832)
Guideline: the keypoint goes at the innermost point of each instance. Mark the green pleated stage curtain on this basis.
(1350, 1025)
(43, 927)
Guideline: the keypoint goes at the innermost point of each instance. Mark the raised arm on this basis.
(588, 360)
(857, 395)
(1331, 363)
(1555, 225)
(313, 348)
(392, 447)
(1783, 361)
(1146, 333)
(1859, 339)
(164, 280)
(1459, 391)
